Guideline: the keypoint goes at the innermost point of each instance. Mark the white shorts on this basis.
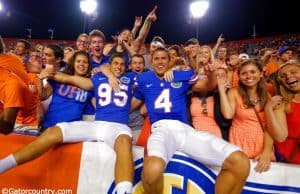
(168, 136)
(93, 131)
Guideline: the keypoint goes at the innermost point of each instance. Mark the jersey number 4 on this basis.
(163, 101)
(106, 96)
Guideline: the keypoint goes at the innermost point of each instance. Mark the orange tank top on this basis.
(293, 123)
(202, 113)
(246, 130)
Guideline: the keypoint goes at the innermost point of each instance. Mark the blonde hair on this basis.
(211, 57)
(287, 94)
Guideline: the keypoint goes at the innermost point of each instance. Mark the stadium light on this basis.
(199, 8)
(1, 6)
(88, 6)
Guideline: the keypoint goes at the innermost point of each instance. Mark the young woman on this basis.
(245, 105)
(284, 113)
(68, 101)
(205, 106)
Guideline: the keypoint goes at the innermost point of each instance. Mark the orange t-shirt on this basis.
(14, 64)
(11, 90)
(15, 93)
(29, 114)
(271, 68)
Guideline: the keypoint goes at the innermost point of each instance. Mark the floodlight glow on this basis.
(199, 8)
(88, 6)
(1, 7)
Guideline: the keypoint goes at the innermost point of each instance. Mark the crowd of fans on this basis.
(247, 94)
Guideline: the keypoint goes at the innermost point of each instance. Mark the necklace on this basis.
(254, 101)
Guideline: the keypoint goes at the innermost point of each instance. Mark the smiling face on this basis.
(250, 75)
(117, 66)
(82, 42)
(160, 61)
(289, 77)
(81, 65)
(204, 55)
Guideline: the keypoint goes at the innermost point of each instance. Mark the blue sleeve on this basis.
(138, 93)
(185, 76)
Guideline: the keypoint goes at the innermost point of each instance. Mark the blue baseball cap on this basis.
(282, 49)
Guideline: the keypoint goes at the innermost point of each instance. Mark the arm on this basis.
(206, 85)
(93, 101)
(46, 91)
(129, 50)
(7, 120)
(136, 26)
(113, 81)
(219, 41)
(82, 82)
(135, 103)
(276, 118)
(145, 30)
(227, 100)
(264, 159)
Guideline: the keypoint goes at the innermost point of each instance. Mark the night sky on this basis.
(233, 18)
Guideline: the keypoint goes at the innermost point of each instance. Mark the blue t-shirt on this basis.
(165, 100)
(112, 106)
(89, 109)
(104, 60)
(68, 103)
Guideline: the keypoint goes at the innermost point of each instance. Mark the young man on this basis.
(22, 49)
(137, 64)
(16, 102)
(97, 42)
(111, 129)
(166, 105)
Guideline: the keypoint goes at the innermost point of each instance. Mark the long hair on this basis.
(261, 85)
(70, 69)
(211, 56)
(287, 94)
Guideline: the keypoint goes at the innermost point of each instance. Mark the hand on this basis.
(223, 84)
(138, 21)
(152, 15)
(179, 61)
(114, 83)
(47, 73)
(119, 40)
(192, 53)
(274, 102)
(96, 70)
(263, 163)
(168, 75)
(220, 39)
(115, 38)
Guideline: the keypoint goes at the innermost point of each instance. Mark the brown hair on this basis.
(96, 33)
(161, 49)
(261, 86)
(70, 69)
